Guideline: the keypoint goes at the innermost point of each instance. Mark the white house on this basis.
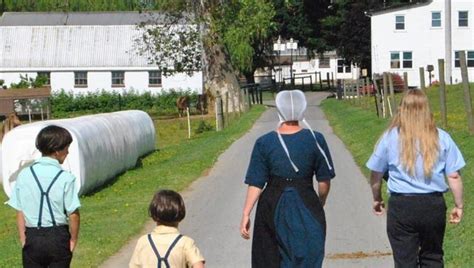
(304, 67)
(418, 34)
(83, 52)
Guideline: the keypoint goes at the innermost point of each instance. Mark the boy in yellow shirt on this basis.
(165, 247)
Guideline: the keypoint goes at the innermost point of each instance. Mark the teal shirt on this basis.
(26, 195)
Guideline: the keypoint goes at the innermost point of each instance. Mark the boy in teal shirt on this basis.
(47, 203)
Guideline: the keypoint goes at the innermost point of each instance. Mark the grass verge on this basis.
(359, 128)
(113, 215)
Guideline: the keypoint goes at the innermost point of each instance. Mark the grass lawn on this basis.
(359, 128)
(110, 217)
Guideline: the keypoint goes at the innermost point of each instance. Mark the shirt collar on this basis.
(163, 229)
(46, 160)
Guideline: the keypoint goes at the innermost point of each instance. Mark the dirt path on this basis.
(355, 238)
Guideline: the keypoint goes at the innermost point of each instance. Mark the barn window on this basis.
(463, 17)
(436, 19)
(400, 22)
(47, 75)
(118, 78)
(80, 79)
(154, 78)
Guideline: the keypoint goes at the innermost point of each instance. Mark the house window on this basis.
(407, 59)
(463, 19)
(154, 78)
(395, 60)
(340, 66)
(118, 78)
(435, 19)
(348, 68)
(80, 79)
(47, 75)
(469, 61)
(324, 62)
(400, 22)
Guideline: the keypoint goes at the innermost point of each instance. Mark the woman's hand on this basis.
(245, 227)
(378, 207)
(455, 216)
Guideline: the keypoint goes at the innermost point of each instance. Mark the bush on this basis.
(203, 127)
(64, 103)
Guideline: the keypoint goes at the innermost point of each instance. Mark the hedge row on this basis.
(63, 103)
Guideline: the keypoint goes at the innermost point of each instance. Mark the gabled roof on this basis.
(79, 18)
(397, 7)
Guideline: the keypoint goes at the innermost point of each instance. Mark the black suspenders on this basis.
(45, 195)
(163, 259)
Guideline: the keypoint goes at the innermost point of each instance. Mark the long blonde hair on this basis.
(417, 132)
(9, 123)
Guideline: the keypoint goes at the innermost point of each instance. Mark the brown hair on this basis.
(167, 208)
(418, 132)
(52, 139)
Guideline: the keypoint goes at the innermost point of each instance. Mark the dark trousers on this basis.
(47, 247)
(415, 227)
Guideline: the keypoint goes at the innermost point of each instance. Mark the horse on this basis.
(183, 104)
(9, 123)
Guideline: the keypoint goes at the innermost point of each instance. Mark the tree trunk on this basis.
(219, 74)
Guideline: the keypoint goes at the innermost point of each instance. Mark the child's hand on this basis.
(72, 244)
(378, 207)
(456, 215)
(245, 227)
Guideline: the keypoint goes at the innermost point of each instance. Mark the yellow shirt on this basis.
(184, 254)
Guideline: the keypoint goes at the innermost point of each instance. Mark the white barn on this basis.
(418, 34)
(83, 52)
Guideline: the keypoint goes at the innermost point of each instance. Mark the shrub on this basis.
(105, 101)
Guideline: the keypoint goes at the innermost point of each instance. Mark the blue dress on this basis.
(290, 226)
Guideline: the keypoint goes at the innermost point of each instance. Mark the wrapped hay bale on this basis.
(104, 145)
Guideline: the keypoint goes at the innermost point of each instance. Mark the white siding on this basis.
(425, 42)
(102, 80)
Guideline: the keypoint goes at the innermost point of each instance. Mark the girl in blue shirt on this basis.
(418, 156)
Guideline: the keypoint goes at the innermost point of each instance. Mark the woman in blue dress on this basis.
(290, 225)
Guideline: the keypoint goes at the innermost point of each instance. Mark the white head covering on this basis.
(291, 105)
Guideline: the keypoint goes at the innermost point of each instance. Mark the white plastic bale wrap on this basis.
(104, 145)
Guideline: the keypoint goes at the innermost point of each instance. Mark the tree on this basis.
(230, 33)
(247, 29)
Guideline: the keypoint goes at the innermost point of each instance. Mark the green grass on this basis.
(359, 128)
(110, 217)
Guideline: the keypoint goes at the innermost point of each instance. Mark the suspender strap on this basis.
(45, 195)
(164, 259)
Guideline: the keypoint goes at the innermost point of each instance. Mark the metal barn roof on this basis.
(79, 18)
(69, 47)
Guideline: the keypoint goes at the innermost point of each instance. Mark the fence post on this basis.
(226, 111)
(332, 80)
(405, 80)
(422, 78)
(219, 114)
(384, 95)
(329, 81)
(442, 93)
(378, 107)
(358, 91)
(467, 91)
(344, 87)
(393, 103)
(320, 81)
